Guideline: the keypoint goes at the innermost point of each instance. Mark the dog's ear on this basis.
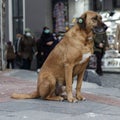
(81, 21)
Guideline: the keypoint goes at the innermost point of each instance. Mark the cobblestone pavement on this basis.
(14, 83)
(101, 102)
(111, 80)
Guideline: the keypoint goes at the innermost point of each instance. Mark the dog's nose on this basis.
(101, 28)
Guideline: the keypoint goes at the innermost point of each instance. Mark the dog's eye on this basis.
(95, 18)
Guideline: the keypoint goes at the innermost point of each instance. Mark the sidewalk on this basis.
(101, 102)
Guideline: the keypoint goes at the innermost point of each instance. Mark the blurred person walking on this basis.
(27, 49)
(18, 60)
(10, 56)
(45, 44)
(100, 45)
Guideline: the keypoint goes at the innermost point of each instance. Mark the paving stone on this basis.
(102, 102)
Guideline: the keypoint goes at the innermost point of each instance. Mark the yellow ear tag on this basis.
(73, 20)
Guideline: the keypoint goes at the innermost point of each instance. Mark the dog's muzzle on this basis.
(100, 29)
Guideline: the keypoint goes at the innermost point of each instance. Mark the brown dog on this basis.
(68, 59)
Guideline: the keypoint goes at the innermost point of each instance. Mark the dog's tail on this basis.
(25, 96)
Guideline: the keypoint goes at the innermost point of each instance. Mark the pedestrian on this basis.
(10, 56)
(27, 48)
(18, 60)
(100, 45)
(45, 45)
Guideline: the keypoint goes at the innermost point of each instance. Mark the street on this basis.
(109, 79)
(102, 102)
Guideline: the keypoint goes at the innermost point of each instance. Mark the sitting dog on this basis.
(68, 59)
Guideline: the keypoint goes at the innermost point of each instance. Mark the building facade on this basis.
(19, 15)
(30, 14)
(110, 12)
(35, 14)
(22, 14)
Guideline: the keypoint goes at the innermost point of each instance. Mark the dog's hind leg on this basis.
(53, 97)
(47, 89)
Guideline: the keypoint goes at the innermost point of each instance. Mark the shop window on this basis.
(60, 15)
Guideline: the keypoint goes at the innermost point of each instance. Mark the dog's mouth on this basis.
(100, 29)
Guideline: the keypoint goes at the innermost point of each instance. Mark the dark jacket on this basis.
(10, 52)
(100, 38)
(27, 47)
(42, 46)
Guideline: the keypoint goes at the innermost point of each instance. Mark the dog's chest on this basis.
(85, 57)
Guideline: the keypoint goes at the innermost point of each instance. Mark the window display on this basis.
(60, 15)
(111, 61)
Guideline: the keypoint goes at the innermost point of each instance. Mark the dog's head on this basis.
(92, 21)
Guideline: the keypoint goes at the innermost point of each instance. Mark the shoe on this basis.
(99, 73)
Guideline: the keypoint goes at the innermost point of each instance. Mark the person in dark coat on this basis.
(45, 45)
(100, 45)
(10, 55)
(27, 48)
(18, 60)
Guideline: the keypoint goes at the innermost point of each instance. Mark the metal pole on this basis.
(2, 33)
(10, 23)
(24, 21)
(1, 40)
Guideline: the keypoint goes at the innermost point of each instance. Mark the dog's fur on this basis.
(68, 59)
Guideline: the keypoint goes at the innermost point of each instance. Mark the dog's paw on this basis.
(61, 98)
(84, 99)
(81, 98)
(74, 100)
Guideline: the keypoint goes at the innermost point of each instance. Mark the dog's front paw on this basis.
(72, 99)
(79, 97)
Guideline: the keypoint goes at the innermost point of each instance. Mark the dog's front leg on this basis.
(79, 82)
(68, 79)
(78, 87)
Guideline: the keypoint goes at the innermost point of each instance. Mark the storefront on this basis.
(64, 11)
(112, 20)
(111, 59)
(60, 15)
